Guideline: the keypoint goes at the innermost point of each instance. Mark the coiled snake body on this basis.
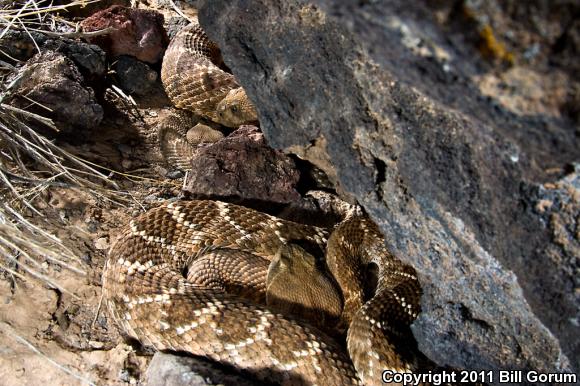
(194, 79)
(167, 274)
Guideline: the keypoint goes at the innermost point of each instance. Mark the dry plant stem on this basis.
(16, 194)
(42, 278)
(35, 181)
(12, 272)
(37, 104)
(178, 10)
(71, 35)
(47, 155)
(122, 94)
(8, 330)
(45, 252)
(25, 244)
(29, 35)
(40, 10)
(14, 247)
(16, 18)
(31, 163)
(48, 122)
(8, 66)
(98, 311)
(19, 14)
(44, 245)
(34, 228)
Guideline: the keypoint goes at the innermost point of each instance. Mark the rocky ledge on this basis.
(391, 102)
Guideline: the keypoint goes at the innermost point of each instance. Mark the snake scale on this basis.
(195, 80)
(168, 274)
(246, 289)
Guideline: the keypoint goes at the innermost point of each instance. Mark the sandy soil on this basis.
(48, 336)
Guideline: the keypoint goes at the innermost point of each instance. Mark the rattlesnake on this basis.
(147, 293)
(194, 79)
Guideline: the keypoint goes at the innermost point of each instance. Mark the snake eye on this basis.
(234, 109)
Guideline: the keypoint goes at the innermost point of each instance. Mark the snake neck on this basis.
(395, 297)
(351, 249)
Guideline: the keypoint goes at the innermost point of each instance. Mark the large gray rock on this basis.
(173, 370)
(364, 92)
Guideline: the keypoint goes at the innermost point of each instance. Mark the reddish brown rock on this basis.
(86, 9)
(138, 32)
(243, 166)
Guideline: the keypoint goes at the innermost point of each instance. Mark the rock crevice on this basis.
(429, 159)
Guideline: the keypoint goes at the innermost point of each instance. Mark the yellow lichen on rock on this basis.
(492, 48)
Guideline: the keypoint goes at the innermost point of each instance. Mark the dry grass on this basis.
(30, 164)
(32, 15)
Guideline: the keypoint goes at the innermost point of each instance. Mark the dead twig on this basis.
(9, 331)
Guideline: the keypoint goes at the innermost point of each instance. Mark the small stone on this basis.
(125, 150)
(102, 243)
(126, 164)
(543, 205)
(175, 174)
(96, 345)
(160, 170)
(173, 370)
(86, 258)
(135, 77)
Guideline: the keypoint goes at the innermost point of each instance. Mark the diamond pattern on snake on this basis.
(196, 81)
(252, 291)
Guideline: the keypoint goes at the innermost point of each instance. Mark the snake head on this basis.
(296, 284)
(236, 109)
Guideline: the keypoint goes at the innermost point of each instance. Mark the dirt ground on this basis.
(62, 336)
(52, 337)
(48, 336)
